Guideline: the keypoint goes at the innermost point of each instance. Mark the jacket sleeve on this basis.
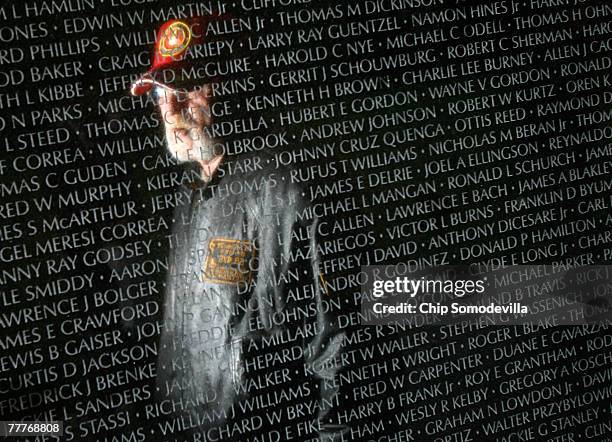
(290, 235)
(322, 350)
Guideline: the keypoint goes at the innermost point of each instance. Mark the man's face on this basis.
(185, 115)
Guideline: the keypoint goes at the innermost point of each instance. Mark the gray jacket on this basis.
(249, 342)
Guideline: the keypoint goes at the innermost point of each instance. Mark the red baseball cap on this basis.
(173, 40)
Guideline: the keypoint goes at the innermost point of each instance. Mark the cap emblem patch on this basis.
(174, 39)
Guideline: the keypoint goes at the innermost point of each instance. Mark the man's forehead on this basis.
(183, 77)
(192, 92)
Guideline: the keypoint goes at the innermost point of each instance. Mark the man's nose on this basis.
(170, 102)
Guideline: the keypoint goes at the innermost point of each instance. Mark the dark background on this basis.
(90, 106)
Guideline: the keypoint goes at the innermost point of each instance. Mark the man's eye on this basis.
(160, 95)
(182, 95)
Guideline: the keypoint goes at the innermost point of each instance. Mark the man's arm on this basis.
(322, 356)
(322, 349)
(289, 238)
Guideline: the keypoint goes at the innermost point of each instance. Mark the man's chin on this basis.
(181, 155)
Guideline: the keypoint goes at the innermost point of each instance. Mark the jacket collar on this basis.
(195, 180)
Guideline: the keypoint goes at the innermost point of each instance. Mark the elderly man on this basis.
(248, 345)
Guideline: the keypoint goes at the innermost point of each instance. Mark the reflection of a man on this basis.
(246, 325)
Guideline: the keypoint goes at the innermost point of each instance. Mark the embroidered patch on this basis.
(229, 261)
